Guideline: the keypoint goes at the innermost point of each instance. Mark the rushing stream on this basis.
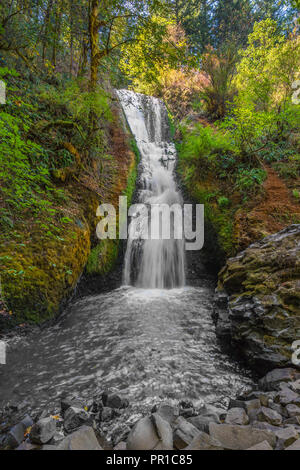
(143, 340)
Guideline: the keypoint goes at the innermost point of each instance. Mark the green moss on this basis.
(102, 257)
(132, 173)
(38, 273)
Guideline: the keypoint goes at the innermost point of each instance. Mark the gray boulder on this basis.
(286, 437)
(74, 418)
(235, 437)
(286, 396)
(167, 412)
(237, 416)
(43, 431)
(261, 316)
(82, 439)
(164, 431)
(151, 432)
(294, 446)
(292, 410)
(203, 441)
(269, 416)
(184, 433)
(15, 436)
(261, 446)
(272, 380)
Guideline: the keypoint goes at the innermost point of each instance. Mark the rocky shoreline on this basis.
(264, 418)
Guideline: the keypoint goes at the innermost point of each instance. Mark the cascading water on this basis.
(151, 343)
(152, 263)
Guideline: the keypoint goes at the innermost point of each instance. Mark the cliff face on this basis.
(39, 270)
(262, 288)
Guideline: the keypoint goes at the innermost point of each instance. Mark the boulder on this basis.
(114, 401)
(106, 414)
(269, 416)
(15, 435)
(262, 284)
(184, 433)
(286, 396)
(286, 437)
(202, 422)
(234, 437)
(203, 441)
(292, 410)
(164, 431)
(261, 446)
(294, 446)
(43, 431)
(66, 403)
(252, 405)
(82, 439)
(265, 426)
(273, 379)
(27, 445)
(121, 446)
(74, 418)
(143, 435)
(167, 412)
(237, 416)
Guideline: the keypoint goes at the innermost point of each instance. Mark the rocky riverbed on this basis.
(266, 417)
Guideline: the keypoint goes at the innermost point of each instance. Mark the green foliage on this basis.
(205, 148)
(247, 180)
(223, 202)
(296, 193)
(102, 257)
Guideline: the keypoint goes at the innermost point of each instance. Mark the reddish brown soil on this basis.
(273, 212)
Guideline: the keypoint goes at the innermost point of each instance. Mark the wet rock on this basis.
(121, 446)
(252, 405)
(164, 431)
(286, 396)
(114, 401)
(184, 433)
(167, 412)
(58, 437)
(27, 422)
(106, 414)
(82, 439)
(265, 426)
(273, 379)
(43, 431)
(27, 446)
(203, 441)
(120, 434)
(294, 420)
(143, 435)
(15, 436)
(202, 422)
(292, 410)
(66, 403)
(269, 416)
(74, 418)
(237, 416)
(261, 446)
(295, 386)
(262, 283)
(286, 437)
(235, 437)
(294, 446)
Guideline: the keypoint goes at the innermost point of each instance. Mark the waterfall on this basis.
(152, 263)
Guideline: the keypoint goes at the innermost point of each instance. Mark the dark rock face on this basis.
(257, 304)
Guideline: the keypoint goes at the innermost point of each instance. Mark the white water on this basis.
(152, 263)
